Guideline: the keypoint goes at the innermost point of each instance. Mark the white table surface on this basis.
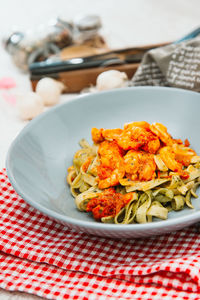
(125, 23)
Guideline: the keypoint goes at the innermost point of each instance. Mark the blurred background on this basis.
(125, 22)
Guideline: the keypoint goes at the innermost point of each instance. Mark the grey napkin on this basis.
(176, 65)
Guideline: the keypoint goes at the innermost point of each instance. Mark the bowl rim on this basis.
(88, 224)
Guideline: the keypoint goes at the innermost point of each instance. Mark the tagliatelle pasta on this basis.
(134, 174)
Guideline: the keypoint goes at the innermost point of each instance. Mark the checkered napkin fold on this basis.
(42, 257)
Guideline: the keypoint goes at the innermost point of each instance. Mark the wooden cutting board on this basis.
(77, 80)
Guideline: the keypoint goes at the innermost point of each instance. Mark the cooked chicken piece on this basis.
(111, 167)
(161, 131)
(141, 164)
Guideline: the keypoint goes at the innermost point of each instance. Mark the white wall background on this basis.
(125, 21)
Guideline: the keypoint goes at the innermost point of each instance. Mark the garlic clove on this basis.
(111, 79)
(50, 90)
(61, 85)
(29, 105)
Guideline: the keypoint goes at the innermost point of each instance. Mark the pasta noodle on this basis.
(134, 174)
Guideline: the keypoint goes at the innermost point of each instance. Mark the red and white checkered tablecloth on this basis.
(42, 257)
